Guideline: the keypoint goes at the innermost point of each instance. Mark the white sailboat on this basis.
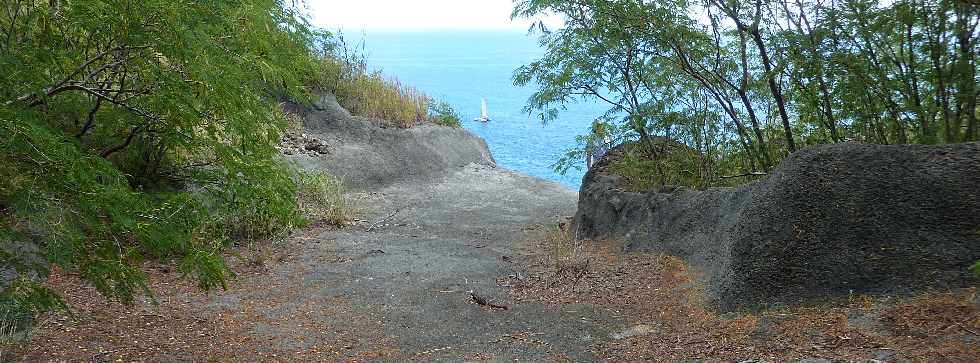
(484, 116)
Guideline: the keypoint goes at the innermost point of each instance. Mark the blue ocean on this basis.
(462, 67)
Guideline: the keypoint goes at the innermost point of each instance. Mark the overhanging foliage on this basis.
(136, 129)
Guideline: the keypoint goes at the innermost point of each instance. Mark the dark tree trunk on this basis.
(777, 94)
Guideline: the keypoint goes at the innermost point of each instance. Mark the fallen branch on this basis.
(524, 337)
(754, 173)
(381, 221)
(967, 329)
(480, 300)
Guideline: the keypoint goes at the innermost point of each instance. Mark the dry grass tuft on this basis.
(322, 198)
(8, 332)
(569, 258)
(376, 96)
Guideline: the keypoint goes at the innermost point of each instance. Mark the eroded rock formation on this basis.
(829, 221)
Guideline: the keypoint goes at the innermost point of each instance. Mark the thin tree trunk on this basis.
(967, 90)
(777, 94)
(927, 135)
(743, 95)
(937, 48)
(744, 140)
(828, 110)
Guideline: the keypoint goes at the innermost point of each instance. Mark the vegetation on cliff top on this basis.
(375, 95)
(744, 83)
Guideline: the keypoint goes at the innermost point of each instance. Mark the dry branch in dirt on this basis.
(660, 293)
(483, 301)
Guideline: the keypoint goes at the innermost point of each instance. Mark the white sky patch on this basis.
(357, 15)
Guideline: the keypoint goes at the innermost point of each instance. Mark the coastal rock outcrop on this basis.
(829, 221)
(364, 154)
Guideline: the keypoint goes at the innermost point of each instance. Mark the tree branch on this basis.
(754, 173)
(129, 139)
(91, 119)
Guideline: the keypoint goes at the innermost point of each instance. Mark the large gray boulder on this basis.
(365, 154)
(829, 221)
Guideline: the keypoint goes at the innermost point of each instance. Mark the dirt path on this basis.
(395, 287)
(405, 277)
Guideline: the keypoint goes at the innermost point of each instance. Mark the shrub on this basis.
(645, 167)
(321, 197)
(441, 113)
(134, 130)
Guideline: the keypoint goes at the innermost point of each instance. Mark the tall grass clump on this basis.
(321, 198)
(376, 96)
(8, 327)
(567, 251)
(371, 94)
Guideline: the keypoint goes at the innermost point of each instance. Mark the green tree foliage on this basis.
(142, 129)
(442, 113)
(744, 83)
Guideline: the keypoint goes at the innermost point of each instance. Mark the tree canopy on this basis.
(744, 83)
(142, 129)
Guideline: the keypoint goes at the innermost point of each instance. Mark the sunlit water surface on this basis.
(461, 67)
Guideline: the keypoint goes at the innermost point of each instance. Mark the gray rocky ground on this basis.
(407, 280)
(439, 221)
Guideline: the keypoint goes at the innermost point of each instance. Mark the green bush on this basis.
(321, 197)
(441, 113)
(644, 167)
(136, 130)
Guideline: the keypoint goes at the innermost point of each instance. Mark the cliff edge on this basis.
(366, 155)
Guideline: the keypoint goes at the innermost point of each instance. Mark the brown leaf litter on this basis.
(658, 297)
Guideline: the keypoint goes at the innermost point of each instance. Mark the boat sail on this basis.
(484, 116)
